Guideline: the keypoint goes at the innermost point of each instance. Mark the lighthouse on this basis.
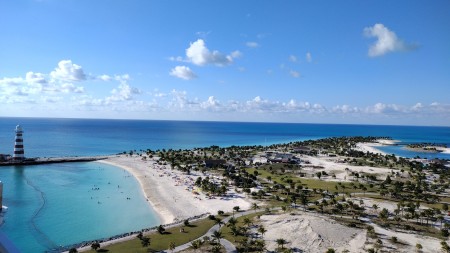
(18, 145)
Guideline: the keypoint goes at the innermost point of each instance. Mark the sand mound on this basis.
(310, 233)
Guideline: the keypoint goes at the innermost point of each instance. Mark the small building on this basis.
(301, 150)
(5, 157)
(214, 163)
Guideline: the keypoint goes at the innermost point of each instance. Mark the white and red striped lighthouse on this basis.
(19, 153)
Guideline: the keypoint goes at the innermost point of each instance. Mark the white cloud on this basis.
(236, 54)
(123, 92)
(180, 101)
(211, 104)
(387, 41)
(345, 109)
(417, 107)
(177, 59)
(293, 58)
(105, 78)
(183, 72)
(199, 54)
(308, 57)
(68, 71)
(32, 77)
(294, 73)
(203, 34)
(252, 44)
(71, 88)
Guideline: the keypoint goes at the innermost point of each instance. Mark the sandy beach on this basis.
(171, 193)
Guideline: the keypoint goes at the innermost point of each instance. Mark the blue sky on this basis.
(363, 62)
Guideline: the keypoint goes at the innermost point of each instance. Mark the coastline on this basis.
(171, 193)
(370, 147)
(164, 215)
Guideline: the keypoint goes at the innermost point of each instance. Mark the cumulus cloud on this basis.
(183, 72)
(199, 54)
(32, 77)
(68, 71)
(308, 57)
(39, 84)
(345, 109)
(386, 41)
(105, 78)
(252, 44)
(294, 73)
(293, 58)
(123, 92)
(211, 104)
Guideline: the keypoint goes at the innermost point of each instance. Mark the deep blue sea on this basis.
(53, 205)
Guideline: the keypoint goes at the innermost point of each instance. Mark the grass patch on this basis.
(226, 231)
(307, 182)
(160, 242)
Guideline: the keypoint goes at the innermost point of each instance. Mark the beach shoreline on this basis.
(164, 215)
(171, 193)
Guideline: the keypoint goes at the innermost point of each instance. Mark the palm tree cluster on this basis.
(210, 186)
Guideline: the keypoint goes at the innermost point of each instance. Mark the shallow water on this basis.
(63, 204)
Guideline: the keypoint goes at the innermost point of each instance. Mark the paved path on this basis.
(229, 247)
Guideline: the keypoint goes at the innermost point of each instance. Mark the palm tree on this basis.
(375, 206)
(261, 245)
(217, 235)
(445, 247)
(219, 222)
(172, 246)
(196, 244)
(262, 231)
(255, 206)
(95, 246)
(161, 229)
(236, 209)
(282, 242)
(232, 222)
(304, 200)
(419, 247)
(73, 250)
(247, 221)
(145, 241)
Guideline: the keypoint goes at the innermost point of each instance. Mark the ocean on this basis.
(59, 204)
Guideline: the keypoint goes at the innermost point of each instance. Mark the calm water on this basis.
(51, 205)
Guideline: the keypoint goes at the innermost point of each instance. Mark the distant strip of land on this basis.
(37, 161)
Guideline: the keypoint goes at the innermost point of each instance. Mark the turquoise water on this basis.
(51, 205)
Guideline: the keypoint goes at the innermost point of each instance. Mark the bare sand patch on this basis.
(312, 233)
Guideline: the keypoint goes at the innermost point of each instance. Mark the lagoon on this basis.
(63, 204)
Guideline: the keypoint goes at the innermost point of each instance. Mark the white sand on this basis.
(312, 233)
(370, 147)
(331, 166)
(167, 190)
(443, 150)
(407, 241)
(387, 142)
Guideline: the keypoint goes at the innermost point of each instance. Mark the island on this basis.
(326, 195)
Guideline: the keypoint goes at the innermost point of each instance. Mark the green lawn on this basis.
(161, 242)
(307, 182)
